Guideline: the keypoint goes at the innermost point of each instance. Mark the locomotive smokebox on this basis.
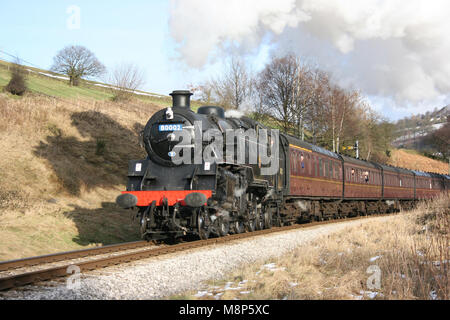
(181, 98)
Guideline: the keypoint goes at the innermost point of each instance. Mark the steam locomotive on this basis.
(217, 195)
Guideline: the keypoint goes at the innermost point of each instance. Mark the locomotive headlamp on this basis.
(127, 200)
(195, 199)
(169, 113)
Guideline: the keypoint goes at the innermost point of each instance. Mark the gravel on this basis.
(160, 277)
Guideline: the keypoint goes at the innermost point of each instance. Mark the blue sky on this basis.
(116, 31)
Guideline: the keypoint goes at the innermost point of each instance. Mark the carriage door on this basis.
(282, 171)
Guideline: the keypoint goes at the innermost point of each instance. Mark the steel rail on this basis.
(27, 278)
(32, 261)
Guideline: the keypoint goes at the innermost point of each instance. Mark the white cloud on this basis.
(393, 49)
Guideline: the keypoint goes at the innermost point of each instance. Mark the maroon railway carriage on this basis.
(327, 184)
(363, 180)
(446, 179)
(398, 183)
(428, 185)
(314, 172)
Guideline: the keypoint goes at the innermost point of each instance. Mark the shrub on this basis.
(101, 147)
(17, 85)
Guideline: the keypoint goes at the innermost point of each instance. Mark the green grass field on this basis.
(42, 84)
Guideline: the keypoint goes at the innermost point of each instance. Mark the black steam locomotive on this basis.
(211, 197)
(211, 194)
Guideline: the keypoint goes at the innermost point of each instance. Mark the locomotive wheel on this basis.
(143, 224)
(203, 230)
(239, 227)
(259, 222)
(268, 220)
(224, 227)
(259, 219)
(251, 225)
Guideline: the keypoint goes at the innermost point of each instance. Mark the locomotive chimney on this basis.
(181, 98)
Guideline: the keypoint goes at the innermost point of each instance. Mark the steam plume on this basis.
(391, 49)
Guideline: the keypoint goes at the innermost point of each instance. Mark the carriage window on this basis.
(315, 165)
(302, 161)
(320, 167)
(366, 176)
(353, 175)
(331, 169)
(309, 164)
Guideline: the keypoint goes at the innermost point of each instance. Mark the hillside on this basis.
(64, 158)
(63, 163)
(411, 131)
(411, 159)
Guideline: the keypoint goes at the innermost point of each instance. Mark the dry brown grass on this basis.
(62, 163)
(403, 159)
(410, 250)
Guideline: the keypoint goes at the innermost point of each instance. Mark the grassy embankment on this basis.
(63, 160)
(412, 159)
(409, 252)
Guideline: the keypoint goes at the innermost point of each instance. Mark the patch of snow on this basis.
(242, 282)
(371, 294)
(375, 258)
(227, 285)
(269, 266)
(52, 76)
(201, 294)
(236, 288)
(433, 295)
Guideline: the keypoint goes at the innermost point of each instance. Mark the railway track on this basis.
(16, 273)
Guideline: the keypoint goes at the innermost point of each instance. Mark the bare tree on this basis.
(77, 62)
(316, 112)
(126, 79)
(277, 82)
(234, 87)
(302, 95)
(204, 92)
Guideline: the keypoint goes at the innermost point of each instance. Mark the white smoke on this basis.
(388, 48)
(234, 114)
